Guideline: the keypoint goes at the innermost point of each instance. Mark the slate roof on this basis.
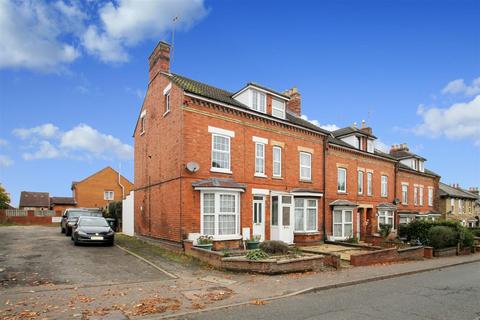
(448, 191)
(405, 167)
(62, 200)
(343, 203)
(219, 183)
(386, 205)
(210, 92)
(350, 130)
(34, 199)
(342, 143)
(404, 154)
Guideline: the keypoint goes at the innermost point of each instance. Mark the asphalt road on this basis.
(451, 293)
(36, 255)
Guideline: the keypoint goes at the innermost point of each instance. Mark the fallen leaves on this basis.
(258, 302)
(156, 304)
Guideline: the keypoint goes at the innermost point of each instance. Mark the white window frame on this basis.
(430, 196)
(258, 98)
(167, 103)
(217, 213)
(342, 223)
(216, 169)
(452, 204)
(386, 215)
(415, 195)
(304, 209)
(275, 108)
(369, 183)
(404, 196)
(309, 166)
(420, 199)
(108, 195)
(143, 122)
(277, 161)
(338, 180)
(360, 175)
(370, 146)
(384, 186)
(260, 170)
(460, 206)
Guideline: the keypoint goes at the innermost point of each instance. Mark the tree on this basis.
(4, 198)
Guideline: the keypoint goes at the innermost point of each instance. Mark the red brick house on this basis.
(226, 164)
(237, 164)
(30, 200)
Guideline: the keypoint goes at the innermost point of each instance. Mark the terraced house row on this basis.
(237, 164)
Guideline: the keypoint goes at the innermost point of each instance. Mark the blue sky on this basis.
(73, 75)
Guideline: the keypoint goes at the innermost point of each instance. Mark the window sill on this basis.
(228, 237)
(342, 192)
(260, 175)
(307, 233)
(277, 178)
(166, 113)
(305, 181)
(221, 170)
(142, 133)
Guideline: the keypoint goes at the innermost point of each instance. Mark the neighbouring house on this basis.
(101, 188)
(34, 200)
(416, 187)
(360, 189)
(458, 204)
(236, 164)
(62, 203)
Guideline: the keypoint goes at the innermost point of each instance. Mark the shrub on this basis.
(274, 247)
(442, 237)
(475, 231)
(256, 254)
(385, 230)
(466, 237)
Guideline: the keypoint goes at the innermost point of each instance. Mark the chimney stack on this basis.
(355, 124)
(398, 147)
(366, 129)
(295, 102)
(364, 124)
(159, 60)
(474, 190)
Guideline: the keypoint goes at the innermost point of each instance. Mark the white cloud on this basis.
(3, 142)
(46, 35)
(328, 127)
(81, 142)
(46, 151)
(30, 36)
(459, 121)
(5, 161)
(459, 86)
(47, 130)
(87, 139)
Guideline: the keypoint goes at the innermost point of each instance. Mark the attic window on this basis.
(370, 146)
(278, 108)
(259, 100)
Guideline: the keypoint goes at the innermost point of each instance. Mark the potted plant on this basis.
(253, 242)
(205, 242)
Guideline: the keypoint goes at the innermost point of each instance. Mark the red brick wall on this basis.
(352, 161)
(30, 219)
(89, 193)
(417, 178)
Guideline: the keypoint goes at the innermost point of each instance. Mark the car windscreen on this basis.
(93, 222)
(76, 214)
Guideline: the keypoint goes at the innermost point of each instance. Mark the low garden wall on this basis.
(307, 239)
(30, 217)
(387, 256)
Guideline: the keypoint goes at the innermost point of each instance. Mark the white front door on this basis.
(259, 216)
(342, 224)
(282, 218)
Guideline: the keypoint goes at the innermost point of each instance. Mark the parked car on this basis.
(70, 217)
(93, 230)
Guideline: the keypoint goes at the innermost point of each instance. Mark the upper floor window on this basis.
(420, 198)
(278, 108)
(421, 167)
(369, 183)
(384, 186)
(414, 164)
(359, 142)
(305, 166)
(460, 208)
(341, 180)
(259, 101)
(167, 102)
(360, 182)
(430, 196)
(277, 161)
(220, 152)
(404, 193)
(259, 159)
(415, 195)
(452, 204)
(370, 146)
(108, 195)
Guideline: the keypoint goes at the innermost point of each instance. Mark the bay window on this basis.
(385, 217)
(342, 224)
(220, 213)
(305, 215)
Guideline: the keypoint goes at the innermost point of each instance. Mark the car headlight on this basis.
(110, 232)
(82, 233)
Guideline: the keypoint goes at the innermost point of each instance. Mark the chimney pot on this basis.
(364, 124)
(355, 124)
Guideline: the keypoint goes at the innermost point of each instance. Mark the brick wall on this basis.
(30, 219)
(89, 193)
(412, 179)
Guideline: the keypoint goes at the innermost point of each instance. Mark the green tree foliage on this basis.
(4, 198)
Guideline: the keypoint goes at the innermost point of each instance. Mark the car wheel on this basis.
(75, 242)
(68, 232)
(110, 244)
(62, 230)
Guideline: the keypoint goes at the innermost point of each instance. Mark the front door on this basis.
(282, 218)
(259, 217)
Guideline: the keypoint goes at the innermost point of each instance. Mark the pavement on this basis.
(45, 277)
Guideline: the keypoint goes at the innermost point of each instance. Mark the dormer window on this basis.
(421, 168)
(370, 146)
(278, 108)
(414, 164)
(259, 101)
(360, 146)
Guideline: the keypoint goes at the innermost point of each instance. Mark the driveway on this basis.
(36, 255)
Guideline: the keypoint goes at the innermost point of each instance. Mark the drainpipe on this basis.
(120, 182)
(324, 227)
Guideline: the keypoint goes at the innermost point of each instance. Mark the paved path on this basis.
(452, 293)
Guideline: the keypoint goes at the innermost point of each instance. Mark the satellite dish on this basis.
(193, 166)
